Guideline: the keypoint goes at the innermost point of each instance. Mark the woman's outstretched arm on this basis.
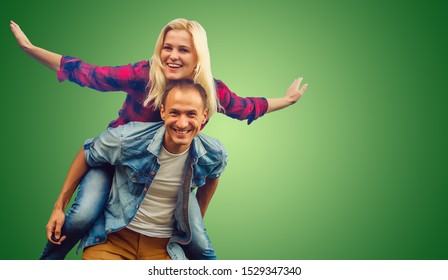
(47, 58)
(292, 95)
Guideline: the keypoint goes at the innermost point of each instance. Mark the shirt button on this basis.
(145, 189)
(152, 173)
(133, 179)
(109, 231)
(97, 239)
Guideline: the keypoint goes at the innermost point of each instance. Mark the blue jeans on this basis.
(90, 201)
(93, 192)
(200, 247)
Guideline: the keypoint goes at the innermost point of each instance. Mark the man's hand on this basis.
(54, 227)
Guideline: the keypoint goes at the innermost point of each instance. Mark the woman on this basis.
(181, 51)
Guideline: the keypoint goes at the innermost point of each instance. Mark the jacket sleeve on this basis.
(221, 165)
(105, 148)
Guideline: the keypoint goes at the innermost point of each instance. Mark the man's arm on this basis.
(77, 170)
(205, 193)
(104, 149)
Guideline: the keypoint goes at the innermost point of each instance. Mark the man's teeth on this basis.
(181, 131)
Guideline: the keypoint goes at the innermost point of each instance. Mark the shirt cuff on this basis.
(263, 108)
(63, 73)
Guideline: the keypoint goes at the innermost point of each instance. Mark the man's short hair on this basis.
(185, 84)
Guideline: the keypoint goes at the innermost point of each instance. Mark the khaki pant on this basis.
(126, 244)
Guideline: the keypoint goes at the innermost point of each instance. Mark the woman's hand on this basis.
(292, 95)
(21, 38)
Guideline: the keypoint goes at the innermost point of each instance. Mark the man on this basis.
(152, 212)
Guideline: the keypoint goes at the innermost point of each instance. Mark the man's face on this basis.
(183, 113)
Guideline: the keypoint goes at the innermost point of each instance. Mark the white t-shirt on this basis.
(155, 216)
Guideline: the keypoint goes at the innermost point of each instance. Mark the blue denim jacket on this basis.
(134, 149)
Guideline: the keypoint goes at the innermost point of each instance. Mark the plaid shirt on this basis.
(133, 79)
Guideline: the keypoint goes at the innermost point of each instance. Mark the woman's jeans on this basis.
(90, 201)
(93, 192)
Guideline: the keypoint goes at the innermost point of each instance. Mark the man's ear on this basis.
(205, 116)
(162, 111)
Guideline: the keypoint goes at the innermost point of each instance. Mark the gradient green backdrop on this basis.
(355, 170)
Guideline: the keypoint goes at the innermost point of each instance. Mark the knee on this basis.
(81, 216)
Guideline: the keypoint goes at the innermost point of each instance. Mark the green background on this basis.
(355, 170)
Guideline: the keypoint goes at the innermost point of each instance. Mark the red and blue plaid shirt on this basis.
(133, 79)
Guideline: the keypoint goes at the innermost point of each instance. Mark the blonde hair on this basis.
(203, 73)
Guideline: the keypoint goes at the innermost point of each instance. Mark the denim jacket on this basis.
(134, 149)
